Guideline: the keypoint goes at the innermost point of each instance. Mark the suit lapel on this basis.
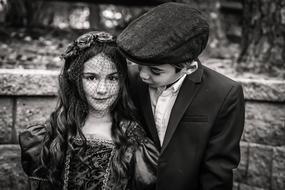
(148, 114)
(187, 92)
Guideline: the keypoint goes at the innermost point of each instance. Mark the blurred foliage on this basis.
(33, 49)
(118, 17)
(34, 33)
(26, 13)
(263, 42)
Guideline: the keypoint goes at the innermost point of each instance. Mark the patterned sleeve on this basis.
(30, 142)
(144, 159)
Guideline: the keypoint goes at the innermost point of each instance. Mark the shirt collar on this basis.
(171, 89)
(176, 86)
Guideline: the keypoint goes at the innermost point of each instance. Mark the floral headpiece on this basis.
(85, 41)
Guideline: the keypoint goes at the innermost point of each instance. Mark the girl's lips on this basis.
(100, 99)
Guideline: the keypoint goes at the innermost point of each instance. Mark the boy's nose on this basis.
(143, 73)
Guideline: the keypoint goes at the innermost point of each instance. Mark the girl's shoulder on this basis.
(31, 143)
(133, 131)
(143, 156)
(32, 135)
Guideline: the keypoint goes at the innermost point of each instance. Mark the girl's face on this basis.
(100, 83)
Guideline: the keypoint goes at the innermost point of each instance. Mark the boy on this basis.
(194, 115)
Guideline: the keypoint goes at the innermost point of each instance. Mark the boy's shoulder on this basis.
(217, 79)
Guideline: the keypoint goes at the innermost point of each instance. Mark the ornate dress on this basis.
(91, 167)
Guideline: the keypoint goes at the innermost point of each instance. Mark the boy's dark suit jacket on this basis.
(201, 144)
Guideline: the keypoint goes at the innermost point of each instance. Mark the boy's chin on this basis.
(155, 85)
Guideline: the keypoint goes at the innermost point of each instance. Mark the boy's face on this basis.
(159, 76)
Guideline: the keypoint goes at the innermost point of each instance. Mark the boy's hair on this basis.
(180, 66)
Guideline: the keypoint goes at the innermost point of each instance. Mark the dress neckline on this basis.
(93, 139)
(97, 137)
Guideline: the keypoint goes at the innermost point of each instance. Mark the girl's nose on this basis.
(101, 88)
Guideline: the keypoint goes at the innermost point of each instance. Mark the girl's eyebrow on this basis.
(90, 73)
(113, 73)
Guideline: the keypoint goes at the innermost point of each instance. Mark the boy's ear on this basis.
(184, 70)
(191, 68)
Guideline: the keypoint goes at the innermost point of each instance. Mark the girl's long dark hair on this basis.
(70, 114)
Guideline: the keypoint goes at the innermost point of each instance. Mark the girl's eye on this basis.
(114, 78)
(90, 78)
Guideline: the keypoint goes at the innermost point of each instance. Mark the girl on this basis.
(92, 139)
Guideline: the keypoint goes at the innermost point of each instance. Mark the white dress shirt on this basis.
(162, 101)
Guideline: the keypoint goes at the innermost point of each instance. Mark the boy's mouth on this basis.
(146, 81)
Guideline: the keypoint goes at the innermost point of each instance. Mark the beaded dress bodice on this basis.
(94, 165)
(88, 168)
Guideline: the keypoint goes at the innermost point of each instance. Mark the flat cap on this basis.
(170, 33)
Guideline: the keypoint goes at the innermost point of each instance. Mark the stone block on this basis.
(31, 110)
(240, 173)
(259, 166)
(44, 82)
(264, 123)
(28, 82)
(278, 169)
(250, 187)
(6, 119)
(235, 186)
(12, 176)
(264, 90)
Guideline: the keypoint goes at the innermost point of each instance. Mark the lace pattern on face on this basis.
(100, 80)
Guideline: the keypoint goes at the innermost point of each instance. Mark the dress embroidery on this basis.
(107, 174)
(88, 168)
(66, 171)
(94, 166)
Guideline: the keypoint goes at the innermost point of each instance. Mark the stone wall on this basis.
(28, 96)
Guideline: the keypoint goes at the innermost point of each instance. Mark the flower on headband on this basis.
(70, 51)
(86, 41)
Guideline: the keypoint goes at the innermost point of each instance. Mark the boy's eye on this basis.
(155, 72)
